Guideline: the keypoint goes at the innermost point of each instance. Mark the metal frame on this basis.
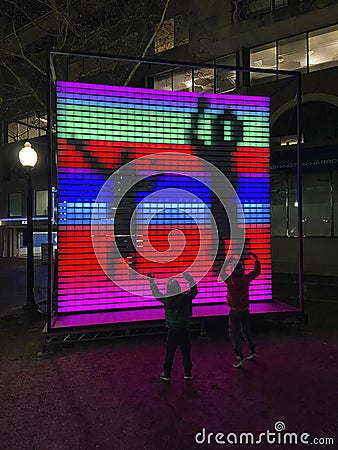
(50, 155)
(294, 76)
(65, 336)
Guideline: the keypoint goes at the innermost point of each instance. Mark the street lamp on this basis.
(28, 158)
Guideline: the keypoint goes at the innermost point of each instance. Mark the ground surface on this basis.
(107, 395)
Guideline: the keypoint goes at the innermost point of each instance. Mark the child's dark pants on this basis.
(239, 328)
(178, 337)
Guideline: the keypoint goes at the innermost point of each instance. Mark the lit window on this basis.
(263, 57)
(23, 129)
(292, 53)
(182, 80)
(172, 33)
(204, 80)
(163, 82)
(323, 48)
(27, 128)
(291, 139)
(226, 79)
(42, 123)
(33, 125)
(12, 132)
(165, 37)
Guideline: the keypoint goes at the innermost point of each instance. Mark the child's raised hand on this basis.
(186, 276)
(230, 260)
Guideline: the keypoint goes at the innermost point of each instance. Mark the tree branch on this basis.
(151, 40)
(21, 83)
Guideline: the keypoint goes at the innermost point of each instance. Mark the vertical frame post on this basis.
(50, 194)
(300, 193)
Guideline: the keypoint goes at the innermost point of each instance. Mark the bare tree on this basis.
(30, 28)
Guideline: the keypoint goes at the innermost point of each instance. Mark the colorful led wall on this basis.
(102, 128)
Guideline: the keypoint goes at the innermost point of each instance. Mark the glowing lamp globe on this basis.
(28, 156)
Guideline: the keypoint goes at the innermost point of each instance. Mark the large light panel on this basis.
(101, 128)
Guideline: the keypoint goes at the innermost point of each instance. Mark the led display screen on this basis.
(158, 182)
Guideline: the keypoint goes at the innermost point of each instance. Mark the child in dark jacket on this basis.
(238, 284)
(177, 307)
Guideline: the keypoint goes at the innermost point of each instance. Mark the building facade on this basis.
(266, 34)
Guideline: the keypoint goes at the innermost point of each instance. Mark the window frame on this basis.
(277, 41)
(36, 191)
(9, 215)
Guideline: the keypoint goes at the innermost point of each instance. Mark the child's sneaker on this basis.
(251, 355)
(164, 377)
(239, 362)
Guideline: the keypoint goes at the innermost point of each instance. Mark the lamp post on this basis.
(28, 158)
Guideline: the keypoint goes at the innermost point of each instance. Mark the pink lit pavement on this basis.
(107, 395)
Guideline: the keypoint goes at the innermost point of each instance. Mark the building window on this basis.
(203, 80)
(226, 79)
(182, 80)
(12, 132)
(200, 80)
(263, 57)
(172, 33)
(317, 211)
(33, 127)
(15, 204)
(191, 80)
(164, 82)
(290, 139)
(319, 51)
(316, 204)
(292, 53)
(41, 203)
(279, 197)
(27, 128)
(292, 225)
(165, 37)
(323, 48)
